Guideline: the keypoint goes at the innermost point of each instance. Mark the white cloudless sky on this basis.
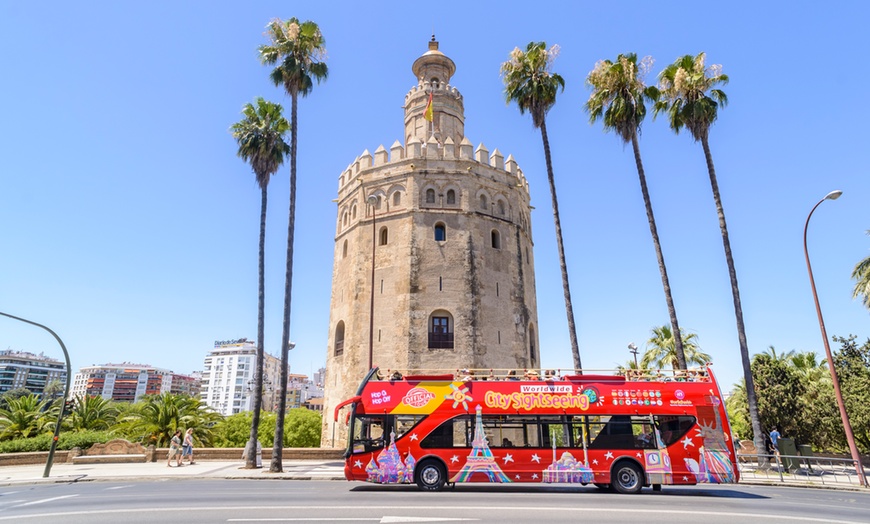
(130, 227)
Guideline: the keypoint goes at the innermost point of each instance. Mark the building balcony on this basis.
(440, 340)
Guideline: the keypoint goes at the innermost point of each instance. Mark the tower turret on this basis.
(433, 71)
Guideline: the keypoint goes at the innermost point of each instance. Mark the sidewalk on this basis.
(220, 469)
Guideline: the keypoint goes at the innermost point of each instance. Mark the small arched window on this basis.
(430, 196)
(496, 239)
(338, 346)
(353, 212)
(501, 207)
(344, 219)
(440, 232)
(483, 202)
(344, 250)
(532, 357)
(384, 236)
(397, 198)
(451, 196)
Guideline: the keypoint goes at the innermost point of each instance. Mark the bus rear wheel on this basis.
(430, 475)
(627, 478)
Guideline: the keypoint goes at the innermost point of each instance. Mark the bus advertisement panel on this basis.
(615, 433)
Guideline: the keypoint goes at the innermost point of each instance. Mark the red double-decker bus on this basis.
(616, 432)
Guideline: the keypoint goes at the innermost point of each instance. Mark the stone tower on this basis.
(449, 227)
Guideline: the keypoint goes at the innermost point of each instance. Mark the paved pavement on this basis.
(227, 469)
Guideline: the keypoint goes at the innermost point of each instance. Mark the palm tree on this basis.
(260, 136)
(810, 367)
(154, 419)
(661, 349)
(862, 276)
(298, 49)
(26, 416)
(92, 413)
(690, 99)
(529, 82)
(617, 98)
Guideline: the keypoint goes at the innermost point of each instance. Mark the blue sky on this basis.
(129, 226)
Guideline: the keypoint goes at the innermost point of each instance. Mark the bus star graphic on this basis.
(413, 436)
(536, 458)
(508, 458)
(687, 442)
(454, 459)
(459, 396)
(608, 455)
(357, 464)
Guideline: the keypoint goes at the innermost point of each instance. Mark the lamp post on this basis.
(372, 201)
(850, 437)
(53, 447)
(632, 348)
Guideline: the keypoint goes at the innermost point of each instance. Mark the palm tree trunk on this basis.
(758, 434)
(277, 464)
(251, 457)
(672, 311)
(569, 308)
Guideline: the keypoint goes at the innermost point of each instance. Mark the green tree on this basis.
(691, 100)
(299, 50)
(260, 137)
(26, 416)
(861, 274)
(529, 81)
(781, 403)
(302, 428)
(852, 363)
(234, 431)
(617, 99)
(92, 413)
(661, 349)
(738, 415)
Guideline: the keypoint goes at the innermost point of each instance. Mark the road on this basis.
(210, 501)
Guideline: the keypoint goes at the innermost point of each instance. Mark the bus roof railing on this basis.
(551, 374)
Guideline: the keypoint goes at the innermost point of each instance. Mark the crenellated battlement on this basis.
(424, 87)
(432, 150)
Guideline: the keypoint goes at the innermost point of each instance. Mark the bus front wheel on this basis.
(627, 478)
(430, 475)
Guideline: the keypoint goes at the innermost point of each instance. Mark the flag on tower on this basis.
(428, 113)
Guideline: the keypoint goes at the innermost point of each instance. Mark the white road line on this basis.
(43, 501)
(119, 487)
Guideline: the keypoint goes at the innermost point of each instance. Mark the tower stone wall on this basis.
(450, 228)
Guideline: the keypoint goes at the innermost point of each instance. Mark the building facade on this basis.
(433, 249)
(228, 377)
(125, 382)
(22, 369)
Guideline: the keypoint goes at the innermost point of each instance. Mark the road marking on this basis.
(383, 520)
(43, 501)
(537, 510)
(119, 487)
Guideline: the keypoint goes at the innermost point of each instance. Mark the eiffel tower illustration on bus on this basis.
(480, 460)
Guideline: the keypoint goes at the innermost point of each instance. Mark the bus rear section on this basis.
(578, 429)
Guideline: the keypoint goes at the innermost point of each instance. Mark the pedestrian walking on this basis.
(187, 447)
(174, 449)
(774, 440)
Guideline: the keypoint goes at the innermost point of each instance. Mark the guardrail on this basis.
(798, 469)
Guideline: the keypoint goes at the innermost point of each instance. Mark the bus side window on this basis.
(673, 427)
(614, 433)
(450, 434)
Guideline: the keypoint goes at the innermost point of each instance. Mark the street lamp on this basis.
(53, 447)
(372, 201)
(850, 438)
(632, 348)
